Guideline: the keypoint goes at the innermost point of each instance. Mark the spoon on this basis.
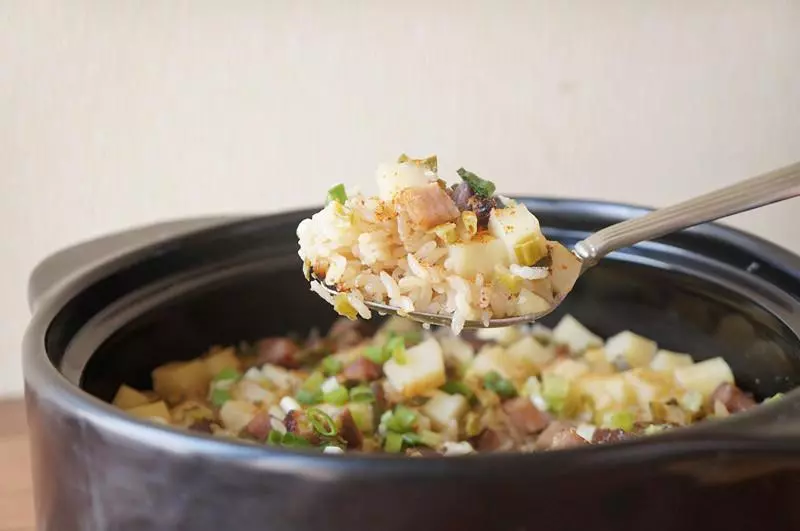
(765, 189)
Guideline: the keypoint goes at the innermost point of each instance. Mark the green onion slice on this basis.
(322, 422)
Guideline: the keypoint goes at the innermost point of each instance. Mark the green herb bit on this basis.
(480, 186)
(220, 396)
(332, 366)
(321, 422)
(430, 163)
(362, 393)
(376, 354)
(430, 439)
(494, 382)
(337, 193)
(308, 398)
(412, 439)
(619, 420)
(337, 397)
(274, 438)
(555, 391)
(228, 373)
(288, 440)
(401, 420)
(393, 443)
(454, 387)
(314, 382)
(776, 396)
(396, 346)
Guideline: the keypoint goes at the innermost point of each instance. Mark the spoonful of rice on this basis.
(463, 257)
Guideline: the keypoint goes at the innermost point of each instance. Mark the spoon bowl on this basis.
(765, 189)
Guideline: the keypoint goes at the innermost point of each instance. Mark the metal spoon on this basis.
(765, 189)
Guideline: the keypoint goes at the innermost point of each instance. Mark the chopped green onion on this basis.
(655, 428)
(332, 366)
(480, 186)
(454, 387)
(322, 422)
(412, 439)
(402, 419)
(308, 398)
(289, 440)
(494, 382)
(337, 397)
(393, 443)
(618, 420)
(220, 396)
(776, 396)
(362, 393)
(314, 382)
(555, 390)
(396, 346)
(337, 193)
(228, 373)
(362, 416)
(430, 163)
(376, 354)
(472, 424)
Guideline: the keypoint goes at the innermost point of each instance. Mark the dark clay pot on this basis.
(109, 311)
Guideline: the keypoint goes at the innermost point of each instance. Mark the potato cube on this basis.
(705, 376)
(156, 410)
(570, 332)
(630, 349)
(181, 380)
(423, 369)
(128, 397)
(667, 361)
(220, 359)
(445, 410)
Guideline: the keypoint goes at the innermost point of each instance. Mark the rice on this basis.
(372, 249)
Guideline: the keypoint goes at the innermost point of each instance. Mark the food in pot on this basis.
(421, 245)
(407, 390)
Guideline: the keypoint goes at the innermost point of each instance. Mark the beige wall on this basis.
(117, 113)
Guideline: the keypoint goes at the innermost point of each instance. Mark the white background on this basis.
(116, 113)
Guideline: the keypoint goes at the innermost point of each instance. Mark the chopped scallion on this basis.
(337, 193)
(314, 382)
(337, 397)
(555, 391)
(228, 373)
(494, 382)
(454, 387)
(322, 422)
(376, 354)
(220, 396)
(308, 398)
(412, 439)
(393, 443)
(362, 393)
(332, 366)
(618, 420)
(480, 186)
(401, 420)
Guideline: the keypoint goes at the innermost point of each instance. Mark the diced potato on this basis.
(281, 378)
(181, 380)
(705, 376)
(236, 414)
(633, 349)
(494, 358)
(479, 255)
(541, 333)
(567, 368)
(531, 303)
(456, 351)
(220, 359)
(598, 362)
(565, 269)
(444, 409)
(156, 410)
(422, 371)
(519, 231)
(573, 334)
(395, 177)
(667, 361)
(650, 386)
(362, 415)
(128, 397)
(252, 391)
(607, 392)
(504, 336)
(529, 350)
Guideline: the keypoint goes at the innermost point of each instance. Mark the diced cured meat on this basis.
(525, 416)
(427, 206)
(297, 423)
(260, 426)
(733, 398)
(460, 193)
(201, 425)
(604, 435)
(482, 206)
(568, 438)
(345, 334)
(362, 370)
(545, 439)
(349, 431)
(487, 441)
(278, 351)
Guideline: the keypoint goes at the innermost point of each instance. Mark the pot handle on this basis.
(59, 267)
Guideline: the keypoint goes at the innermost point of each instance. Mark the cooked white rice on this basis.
(368, 250)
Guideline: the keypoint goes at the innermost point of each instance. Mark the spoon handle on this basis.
(765, 189)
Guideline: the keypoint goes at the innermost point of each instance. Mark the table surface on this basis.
(16, 490)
